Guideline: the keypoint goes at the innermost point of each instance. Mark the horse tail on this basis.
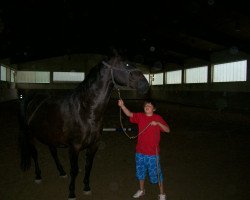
(24, 142)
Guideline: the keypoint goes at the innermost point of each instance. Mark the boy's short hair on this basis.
(151, 101)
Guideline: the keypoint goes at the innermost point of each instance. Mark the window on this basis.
(157, 79)
(68, 76)
(196, 75)
(146, 76)
(173, 77)
(227, 72)
(12, 76)
(33, 77)
(3, 73)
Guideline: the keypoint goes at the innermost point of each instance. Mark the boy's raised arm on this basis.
(124, 108)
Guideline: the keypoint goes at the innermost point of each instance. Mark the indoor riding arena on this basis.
(66, 64)
(205, 155)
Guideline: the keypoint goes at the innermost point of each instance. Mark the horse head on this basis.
(125, 74)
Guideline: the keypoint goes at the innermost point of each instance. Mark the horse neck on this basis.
(97, 90)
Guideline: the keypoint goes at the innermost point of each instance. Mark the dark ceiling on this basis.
(147, 32)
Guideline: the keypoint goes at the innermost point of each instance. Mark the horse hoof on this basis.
(87, 192)
(63, 176)
(38, 181)
(73, 197)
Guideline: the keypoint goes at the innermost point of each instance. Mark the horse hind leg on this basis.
(38, 177)
(28, 151)
(54, 154)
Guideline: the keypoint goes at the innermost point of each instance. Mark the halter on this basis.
(112, 68)
(119, 94)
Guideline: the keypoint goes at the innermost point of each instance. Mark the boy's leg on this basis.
(141, 184)
(140, 174)
(162, 195)
(154, 170)
(140, 168)
(161, 188)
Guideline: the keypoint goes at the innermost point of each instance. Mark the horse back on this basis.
(60, 121)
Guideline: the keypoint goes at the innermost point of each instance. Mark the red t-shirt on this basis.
(149, 139)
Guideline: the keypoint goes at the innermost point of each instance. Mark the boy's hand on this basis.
(163, 127)
(154, 123)
(120, 103)
(124, 109)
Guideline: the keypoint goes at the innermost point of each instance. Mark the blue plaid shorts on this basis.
(147, 163)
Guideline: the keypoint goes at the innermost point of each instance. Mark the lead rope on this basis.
(157, 164)
(130, 137)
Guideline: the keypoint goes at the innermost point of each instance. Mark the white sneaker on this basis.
(139, 193)
(162, 197)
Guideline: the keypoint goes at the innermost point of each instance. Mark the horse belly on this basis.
(48, 133)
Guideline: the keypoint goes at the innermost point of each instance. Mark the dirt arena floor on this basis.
(206, 157)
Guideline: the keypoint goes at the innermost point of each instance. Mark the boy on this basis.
(147, 148)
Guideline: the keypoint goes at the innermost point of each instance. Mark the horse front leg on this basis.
(90, 154)
(54, 154)
(34, 155)
(73, 156)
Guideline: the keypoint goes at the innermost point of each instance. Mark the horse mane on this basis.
(93, 75)
(82, 93)
(79, 96)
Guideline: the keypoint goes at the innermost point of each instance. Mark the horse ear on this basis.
(115, 53)
(106, 58)
(112, 54)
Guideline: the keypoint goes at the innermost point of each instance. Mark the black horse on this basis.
(74, 120)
